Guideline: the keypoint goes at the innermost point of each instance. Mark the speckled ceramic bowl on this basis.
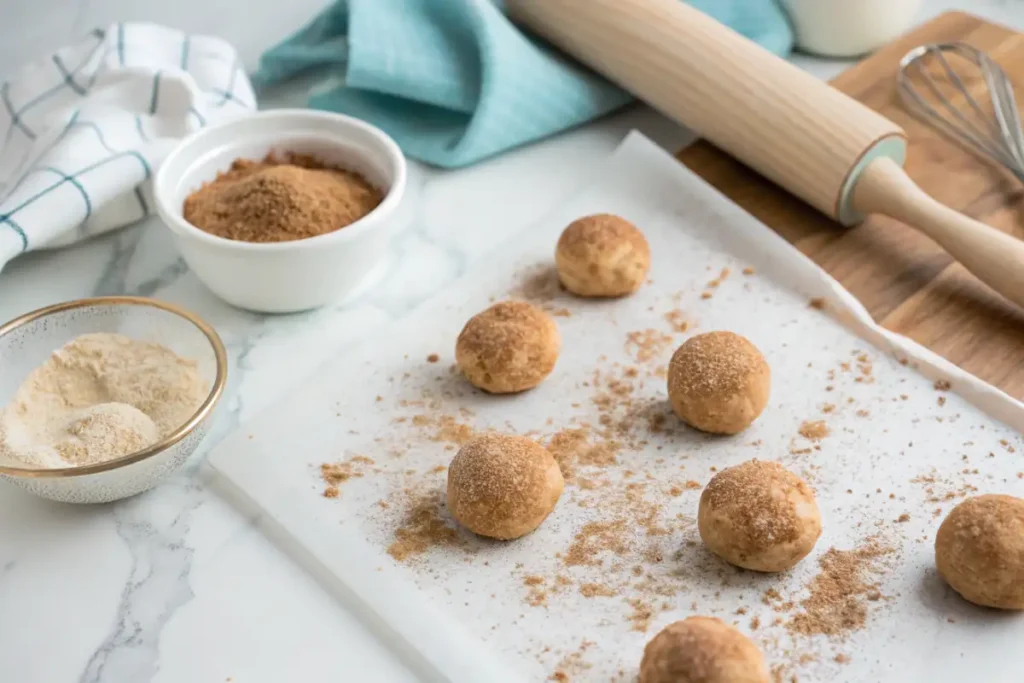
(26, 342)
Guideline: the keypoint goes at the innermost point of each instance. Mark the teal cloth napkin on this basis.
(455, 81)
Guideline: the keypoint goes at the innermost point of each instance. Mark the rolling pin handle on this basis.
(992, 256)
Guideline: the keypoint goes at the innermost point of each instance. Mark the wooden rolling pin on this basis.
(833, 152)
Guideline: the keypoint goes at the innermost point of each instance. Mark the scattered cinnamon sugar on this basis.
(593, 539)
(600, 454)
(572, 448)
(748, 271)
(691, 484)
(675, 319)
(841, 658)
(336, 474)
(818, 303)
(828, 408)
(773, 599)
(836, 604)
(564, 446)
(642, 615)
(447, 429)
(942, 385)
(572, 664)
(718, 280)
(537, 596)
(625, 419)
(423, 526)
(755, 623)
(940, 489)
(433, 358)
(782, 673)
(706, 295)
(903, 518)
(644, 513)
(814, 430)
(593, 590)
(646, 345)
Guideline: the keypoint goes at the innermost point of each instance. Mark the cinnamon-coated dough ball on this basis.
(702, 650)
(759, 515)
(602, 256)
(718, 382)
(503, 486)
(979, 551)
(512, 346)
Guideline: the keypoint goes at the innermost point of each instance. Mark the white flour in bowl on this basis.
(97, 398)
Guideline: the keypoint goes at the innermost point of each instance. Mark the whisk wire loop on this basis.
(996, 134)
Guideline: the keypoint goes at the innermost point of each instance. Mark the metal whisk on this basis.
(997, 133)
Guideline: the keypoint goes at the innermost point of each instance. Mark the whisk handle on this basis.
(994, 257)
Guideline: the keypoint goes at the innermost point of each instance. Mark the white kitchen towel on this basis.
(85, 128)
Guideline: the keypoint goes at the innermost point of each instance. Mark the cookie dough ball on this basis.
(718, 382)
(702, 650)
(512, 346)
(602, 256)
(760, 516)
(503, 486)
(979, 551)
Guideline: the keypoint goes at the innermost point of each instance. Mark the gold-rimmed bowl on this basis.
(27, 341)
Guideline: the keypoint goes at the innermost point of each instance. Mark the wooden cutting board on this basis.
(904, 280)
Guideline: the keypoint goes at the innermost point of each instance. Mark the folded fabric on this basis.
(86, 127)
(455, 81)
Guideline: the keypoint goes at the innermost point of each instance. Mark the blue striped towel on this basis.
(454, 81)
(84, 128)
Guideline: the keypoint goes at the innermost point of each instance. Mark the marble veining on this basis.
(157, 586)
(176, 585)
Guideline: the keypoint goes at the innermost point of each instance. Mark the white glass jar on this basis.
(848, 28)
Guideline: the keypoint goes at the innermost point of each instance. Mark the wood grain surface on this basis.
(906, 282)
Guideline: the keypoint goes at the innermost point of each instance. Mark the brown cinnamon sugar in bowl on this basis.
(279, 199)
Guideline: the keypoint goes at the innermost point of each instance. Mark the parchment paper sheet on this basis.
(463, 612)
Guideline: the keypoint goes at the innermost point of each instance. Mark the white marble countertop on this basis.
(175, 585)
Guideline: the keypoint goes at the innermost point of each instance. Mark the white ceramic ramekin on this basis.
(291, 276)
